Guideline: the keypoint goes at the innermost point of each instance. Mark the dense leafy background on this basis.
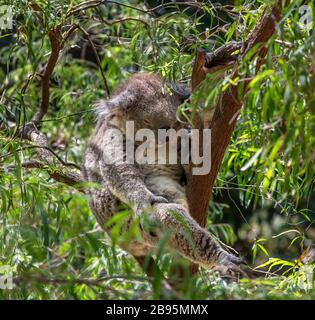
(264, 197)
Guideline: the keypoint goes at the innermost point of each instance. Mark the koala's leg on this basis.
(103, 205)
(190, 240)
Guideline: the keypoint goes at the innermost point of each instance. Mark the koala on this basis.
(154, 190)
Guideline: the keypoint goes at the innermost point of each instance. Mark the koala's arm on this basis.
(124, 180)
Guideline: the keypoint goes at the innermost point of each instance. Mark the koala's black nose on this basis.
(186, 94)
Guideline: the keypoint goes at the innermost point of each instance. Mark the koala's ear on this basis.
(124, 100)
(181, 90)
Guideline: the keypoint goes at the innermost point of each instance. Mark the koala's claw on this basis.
(158, 199)
(227, 258)
(146, 206)
(230, 272)
(235, 260)
(229, 267)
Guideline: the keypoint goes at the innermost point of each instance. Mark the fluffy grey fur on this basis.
(156, 189)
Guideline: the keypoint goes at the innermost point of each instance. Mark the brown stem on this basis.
(55, 41)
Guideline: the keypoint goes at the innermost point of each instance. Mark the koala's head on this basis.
(149, 102)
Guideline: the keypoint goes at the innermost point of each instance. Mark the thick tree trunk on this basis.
(224, 119)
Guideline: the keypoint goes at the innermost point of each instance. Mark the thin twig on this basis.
(67, 35)
(112, 22)
(84, 6)
(98, 61)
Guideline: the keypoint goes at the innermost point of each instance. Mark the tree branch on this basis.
(46, 159)
(98, 61)
(199, 188)
(70, 177)
(55, 41)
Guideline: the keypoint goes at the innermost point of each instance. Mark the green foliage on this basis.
(47, 233)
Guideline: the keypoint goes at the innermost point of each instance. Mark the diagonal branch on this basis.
(55, 41)
(71, 178)
(98, 61)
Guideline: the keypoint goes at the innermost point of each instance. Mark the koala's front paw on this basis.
(146, 203)
(149, 222)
